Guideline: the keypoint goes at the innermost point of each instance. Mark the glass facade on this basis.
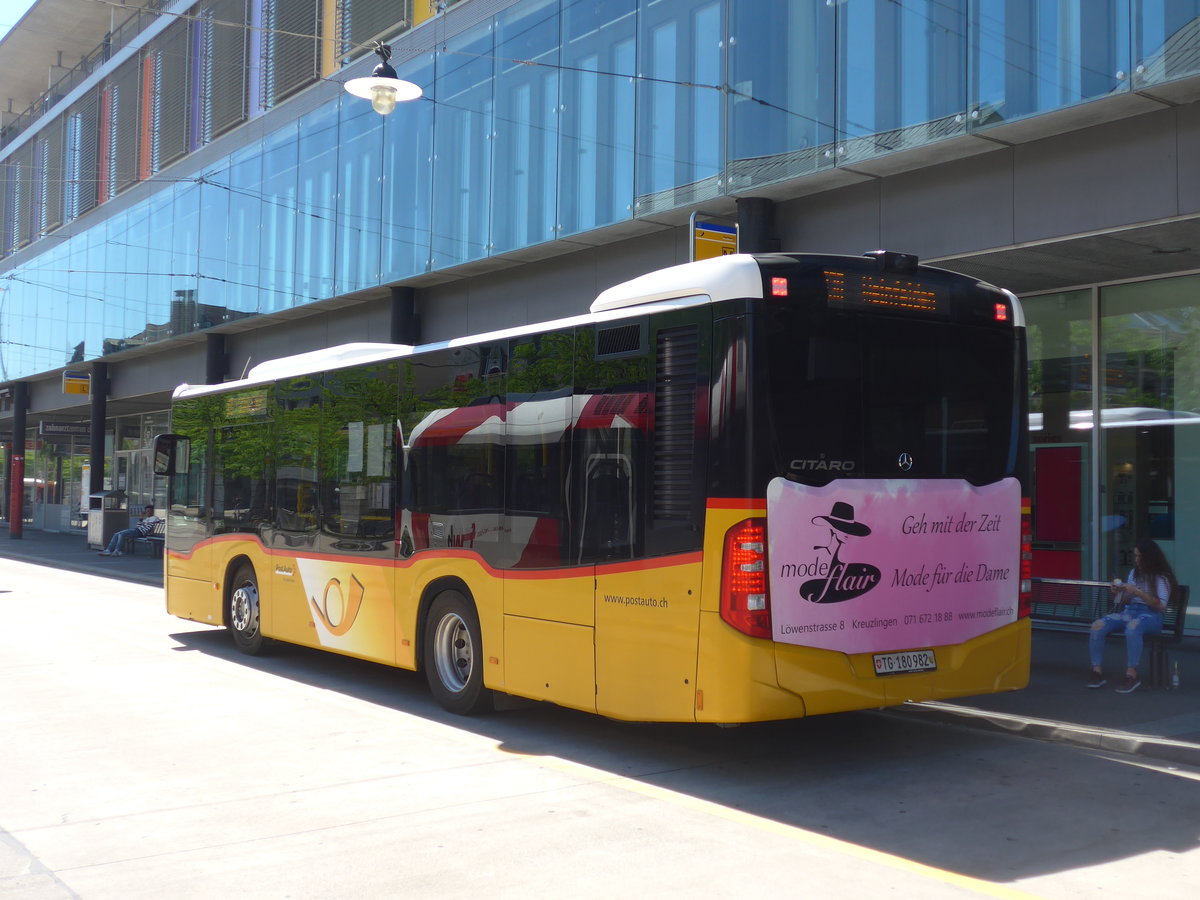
(547, 119)
(1097, 491)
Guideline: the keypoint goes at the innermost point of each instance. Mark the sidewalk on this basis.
(70, 552)
(1163, 724)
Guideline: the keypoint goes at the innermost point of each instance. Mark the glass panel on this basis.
(462, 165)
(902, 74)
(130, 288)
(1060, 414)
(408, 178)
(526, 161)
(277, 245)
(782, 75)
(596, 120)
(1033, 57)
(214, 230)
(359, 196)
(317, 189)
(1168, 40)
(158, 248)
(185, 246)
(245, 217)
(681, 61)
(1150, 421)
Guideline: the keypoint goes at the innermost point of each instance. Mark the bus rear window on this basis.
(866, 396)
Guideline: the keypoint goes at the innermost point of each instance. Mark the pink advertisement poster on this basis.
(880, 565)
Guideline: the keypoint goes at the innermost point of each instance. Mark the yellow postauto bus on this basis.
(748, 488)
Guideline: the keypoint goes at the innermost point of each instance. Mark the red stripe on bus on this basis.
(737, 503)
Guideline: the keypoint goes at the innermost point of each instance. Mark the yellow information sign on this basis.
(711, 239)
(77, 383)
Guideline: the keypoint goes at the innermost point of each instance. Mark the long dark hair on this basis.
(1154, 563)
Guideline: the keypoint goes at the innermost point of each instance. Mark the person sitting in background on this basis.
(1141, 600)
(141, 529)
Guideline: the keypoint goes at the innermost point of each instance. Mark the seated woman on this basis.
(1141, 600)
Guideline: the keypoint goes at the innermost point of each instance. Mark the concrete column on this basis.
(756, 225)
(406, 324)
(16, 462)
(216, 360)
(99, 409)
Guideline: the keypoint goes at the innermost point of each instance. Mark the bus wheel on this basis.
(452, 655)
(244, 619)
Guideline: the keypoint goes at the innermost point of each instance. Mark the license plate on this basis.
(909, 661)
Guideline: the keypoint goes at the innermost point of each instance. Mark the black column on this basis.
(216, 360)
(16, 462)
(99, 398)
(406, 324)
(756, 225)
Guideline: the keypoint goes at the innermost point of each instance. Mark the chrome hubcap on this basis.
(243, 609)
(452, 652)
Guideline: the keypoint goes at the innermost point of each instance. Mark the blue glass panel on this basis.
(214, 224)
(679, 140)
(408, 178)
(903, 75)
(43, 326)
(277, 243)
(241, 253)
(161, 209)
(596, 121)
(185, 240)
(782, 75)
(526, 144)
(360, 195)
(123, 319)
(317, 187)
(462, 162)
(1034, 57)
(1167, 43)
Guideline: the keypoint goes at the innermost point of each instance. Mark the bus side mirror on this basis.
(172, 454)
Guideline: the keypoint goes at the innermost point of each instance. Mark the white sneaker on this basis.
(105, 553)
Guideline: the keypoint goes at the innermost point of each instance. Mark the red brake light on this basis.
(779, 287)
(745, 600)
(1001, 312)
(1025, 597)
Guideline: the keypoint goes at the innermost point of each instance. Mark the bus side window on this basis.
(608, 452)
(356, 457)
(297, 423)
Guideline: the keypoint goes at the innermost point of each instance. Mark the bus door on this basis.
(642, 458)
(188, 551)
(548, 588)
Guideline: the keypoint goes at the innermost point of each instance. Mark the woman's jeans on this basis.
(1136, 624)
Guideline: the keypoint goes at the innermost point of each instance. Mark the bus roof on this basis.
(735, 276)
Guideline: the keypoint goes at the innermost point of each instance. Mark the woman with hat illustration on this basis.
(845, 581)
(840, 518)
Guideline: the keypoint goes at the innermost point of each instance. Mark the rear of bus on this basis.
(866, 498)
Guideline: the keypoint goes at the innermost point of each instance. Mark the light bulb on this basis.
(383, 99)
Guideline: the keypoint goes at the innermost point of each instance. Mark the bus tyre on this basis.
(452, 655)
(244, 618)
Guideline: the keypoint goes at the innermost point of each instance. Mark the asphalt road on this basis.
(140, 756)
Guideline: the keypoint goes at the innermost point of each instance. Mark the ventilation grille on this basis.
(619, 341)
(675, 382)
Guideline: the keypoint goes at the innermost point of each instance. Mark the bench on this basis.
(154, 541)
(1073, 605)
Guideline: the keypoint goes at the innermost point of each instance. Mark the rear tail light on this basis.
(745, 600)
(1025, 597)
